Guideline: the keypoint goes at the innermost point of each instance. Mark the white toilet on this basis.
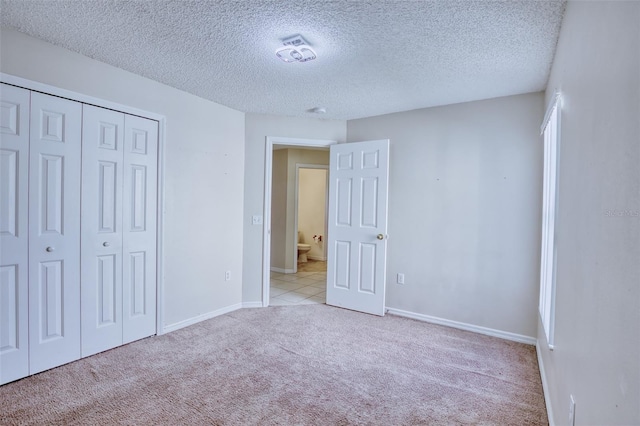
(303, 249)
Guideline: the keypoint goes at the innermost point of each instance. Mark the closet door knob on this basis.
(380, 237)
(105, 244)
(49, 249)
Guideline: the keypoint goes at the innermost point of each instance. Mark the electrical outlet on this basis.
(256, 219)
(227, 276)
(400, 278)
(572, 411)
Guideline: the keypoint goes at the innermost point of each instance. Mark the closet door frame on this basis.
(161, 119)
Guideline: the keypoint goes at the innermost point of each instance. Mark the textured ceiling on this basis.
(374, 57)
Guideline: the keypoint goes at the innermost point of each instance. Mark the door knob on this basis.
(49, 249)
(380, 237)
(105, 244)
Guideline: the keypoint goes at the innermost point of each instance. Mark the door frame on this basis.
(161, 119)
(296, 201)
(270, 141)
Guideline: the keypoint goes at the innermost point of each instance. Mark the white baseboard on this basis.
(282, 271)
(464, 326)
(545, 386)
(203, 317)
(252, 305)
(320, 258)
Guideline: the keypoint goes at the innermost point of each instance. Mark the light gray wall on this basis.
(597, 329)
(464, 210)
(203, 172)
(257, 128)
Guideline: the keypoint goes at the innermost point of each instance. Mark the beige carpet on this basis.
(291, 365)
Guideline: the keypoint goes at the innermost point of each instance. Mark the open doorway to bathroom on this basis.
(312, 191)
(299, 195)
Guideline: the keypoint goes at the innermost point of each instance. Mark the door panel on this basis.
(102, 172)
(139, 222)
(343, 201)
(51, 194)
(9, 191)
(107, 294)
(54, 238)
(14, 233)
(356, 267)
(367, 261)
(107, 188)
(51, 295)
(138, 194)
(342, 262)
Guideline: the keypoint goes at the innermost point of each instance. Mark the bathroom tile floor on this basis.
(303, 288)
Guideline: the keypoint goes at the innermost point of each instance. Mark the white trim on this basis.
(295, 215)
(545, 385)
(282, 271)
(203, 317)
(550, 200)
(555, 102)
(161, 208)
(162, 123)
(75, 96)
(270, 141)
(252, 305)
(464, 326)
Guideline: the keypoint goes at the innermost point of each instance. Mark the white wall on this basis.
(312, 209)
(597, 332)
(464, 210)
(203, 170)
(257, 128)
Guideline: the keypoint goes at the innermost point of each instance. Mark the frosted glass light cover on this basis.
(286, 54)
(296, 54)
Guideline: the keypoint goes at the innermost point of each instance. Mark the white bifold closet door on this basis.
(101, 259)
(139, 239)
(119, 178)
(54, 236)
(14, 233)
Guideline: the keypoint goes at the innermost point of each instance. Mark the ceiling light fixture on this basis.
(295, 49)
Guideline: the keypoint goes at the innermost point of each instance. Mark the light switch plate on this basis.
(256, 219)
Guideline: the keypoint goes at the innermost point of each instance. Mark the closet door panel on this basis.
(14, 233)
(139, 221)
(101, 259)
(54, 237)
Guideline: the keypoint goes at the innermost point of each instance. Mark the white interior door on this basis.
(14, 233)
(139, 226)
(101, 259)
(54, 238)
(357, 231)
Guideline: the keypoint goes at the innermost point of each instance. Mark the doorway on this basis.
(307, 282)
(311, 201)
(273, 229)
